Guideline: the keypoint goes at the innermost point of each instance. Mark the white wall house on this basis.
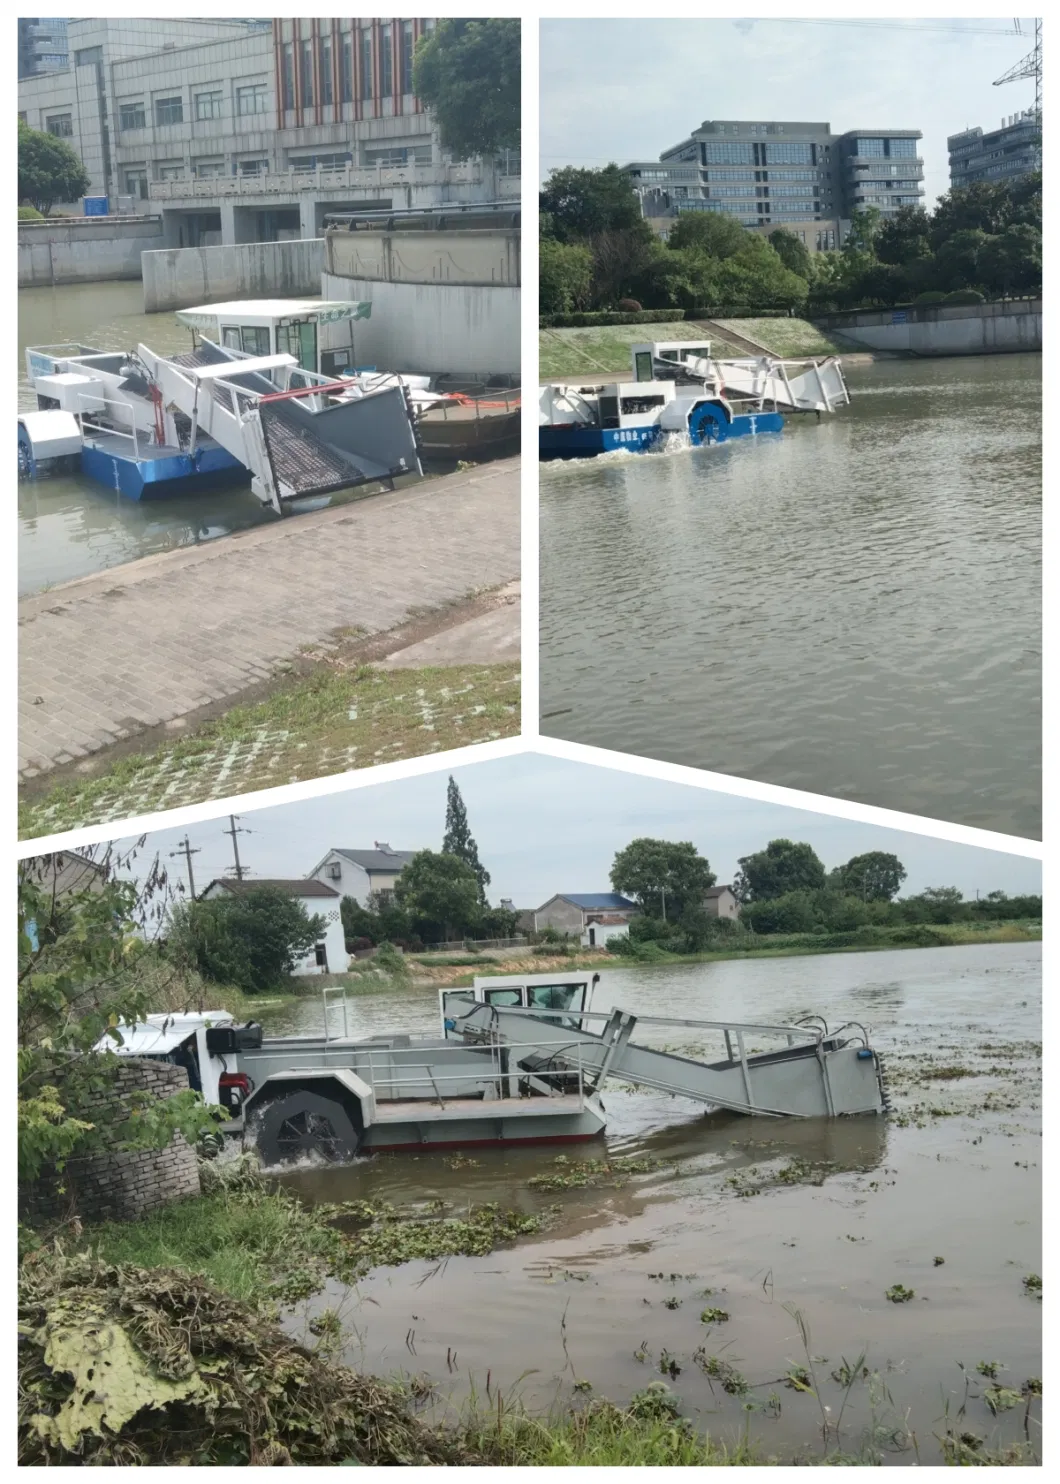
(720, 901)
(361, 873)
(328, 955)
(601, 927)
(569, 912)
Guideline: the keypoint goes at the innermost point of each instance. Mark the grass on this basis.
(313, 726)
(604, 349)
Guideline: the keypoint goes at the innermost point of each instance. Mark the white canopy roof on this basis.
(161, 1034)
(273, 311)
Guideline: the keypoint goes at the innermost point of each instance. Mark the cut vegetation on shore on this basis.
(601, 349)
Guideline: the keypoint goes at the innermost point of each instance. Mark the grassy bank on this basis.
(586, 353)
(314, 725)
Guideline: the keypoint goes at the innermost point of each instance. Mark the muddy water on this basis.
(821, 1216)
(850, 607)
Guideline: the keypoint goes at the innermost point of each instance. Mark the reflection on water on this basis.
(851, 607)
(825, 1215)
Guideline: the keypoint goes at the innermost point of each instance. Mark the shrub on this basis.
(965, 296)
(29, 214)
(932, 296)
(630, 306)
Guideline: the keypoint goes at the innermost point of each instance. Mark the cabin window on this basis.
(555, 996)
(643, 366)
(230, 337)
(641, 404)
(256, 340)
(513, 997)
(299, 340)
(609, 412)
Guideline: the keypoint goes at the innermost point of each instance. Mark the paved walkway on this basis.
(112, 655)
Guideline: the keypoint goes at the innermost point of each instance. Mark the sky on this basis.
(617, 90)
(546, 825)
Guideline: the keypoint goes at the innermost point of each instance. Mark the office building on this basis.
(243, 130)
(42, 46)
(1003, 154)
(782, 173)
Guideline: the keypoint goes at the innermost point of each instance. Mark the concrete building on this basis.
(42, 46)
(328, 955)
(776, 174)
(720, 901)
(601, 927)
(249, 131)
(570, 912)
(362, 873)
(1003, 154)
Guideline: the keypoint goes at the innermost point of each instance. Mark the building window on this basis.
(207, 169)
(326, 93)
(252, 99)
(60, 124)
(726, 154)
(251, 167)
(287, 74)
(789, 154)
(169, 170)
(136, 181)
(131, 116)
(169, 110)
(366, 65)
(87, 56)
(386, 61)
(208, 105)
(307, 74)
(346, 70)
(408, 47)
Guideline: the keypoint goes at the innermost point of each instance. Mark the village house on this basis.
(575, 913)
(328, 955)
(362, 873)
(720, 901)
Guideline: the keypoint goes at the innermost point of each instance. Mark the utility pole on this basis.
(664, 903)
(234, 831)
(187, 852)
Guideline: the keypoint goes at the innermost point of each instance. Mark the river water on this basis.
(822, 1216)
(850, 607)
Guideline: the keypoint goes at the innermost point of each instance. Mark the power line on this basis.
(187, 852)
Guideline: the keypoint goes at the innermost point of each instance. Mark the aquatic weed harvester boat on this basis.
(520, 1060)
(680, 389)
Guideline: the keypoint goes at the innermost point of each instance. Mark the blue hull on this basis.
(159, 478)
(707, 424)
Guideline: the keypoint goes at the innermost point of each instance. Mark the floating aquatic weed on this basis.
(938, 1261)
(656, 1403)
(990, 1368)
(1033, 1386)
(798, 1378)
(1032, 1283)
(845, 1374)
(726, 1375)
(582, 1385)
(713, 1316)
(673, 1302)
(899, 1294)
(590, 1172)
(668, 1364)
(1001, 1399)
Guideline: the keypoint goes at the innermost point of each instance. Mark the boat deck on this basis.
(146, 453)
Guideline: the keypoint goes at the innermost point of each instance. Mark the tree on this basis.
(1011, 262)
(582, 203)
(984, 207)
(792, 252)
(468, 73)
(664, 877)
(252, 937)
(865, 227)
(905, 237)
(713, 232)
(957, 259)
(874, 876)
(84, 957)
(782, 867)
(565, 273)
(440, 893)
(458, 839)
(48, 170)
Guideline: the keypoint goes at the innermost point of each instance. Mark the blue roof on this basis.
(598, 900)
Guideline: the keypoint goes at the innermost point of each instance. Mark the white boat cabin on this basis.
(539, 993)
(683, 353)
(317, 332)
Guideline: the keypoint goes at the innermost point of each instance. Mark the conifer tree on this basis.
(459, 840)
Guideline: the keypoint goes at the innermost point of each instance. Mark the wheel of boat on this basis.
(303, 1124)
(706, 427)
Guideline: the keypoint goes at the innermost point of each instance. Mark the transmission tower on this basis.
(1030, 66)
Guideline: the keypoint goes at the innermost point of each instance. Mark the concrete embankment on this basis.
(944, 329)
(178, 277)
(84, 249)
(110, 657)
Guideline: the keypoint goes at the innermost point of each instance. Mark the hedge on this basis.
(589, 318)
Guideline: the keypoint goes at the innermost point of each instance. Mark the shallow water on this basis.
(953, 1173)
(849, 607)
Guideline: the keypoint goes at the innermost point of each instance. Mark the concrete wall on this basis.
(175, 278)
(121, 1185)
(488, 257)
(434, 327)
(945, 330)
(334, 938)
(86, 250)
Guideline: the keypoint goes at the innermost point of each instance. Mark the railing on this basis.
(98, 428)
(495, 1075)
(322, 177)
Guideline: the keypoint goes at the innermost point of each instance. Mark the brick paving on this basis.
(109, 656)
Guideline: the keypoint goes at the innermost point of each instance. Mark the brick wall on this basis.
(120, 1185)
